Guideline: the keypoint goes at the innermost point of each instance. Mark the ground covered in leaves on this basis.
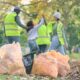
(74, 74)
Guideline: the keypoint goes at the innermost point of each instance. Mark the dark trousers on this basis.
(12, 39)
(42, 48)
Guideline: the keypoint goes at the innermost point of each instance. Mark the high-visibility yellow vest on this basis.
(43, 36)
(11, 27)
(60, 32)
(50, 26)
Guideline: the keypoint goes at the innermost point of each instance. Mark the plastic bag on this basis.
(45, 66)
(11, 59)
(63, 65)
(28, 62)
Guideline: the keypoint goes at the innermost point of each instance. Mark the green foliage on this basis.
(73, 35)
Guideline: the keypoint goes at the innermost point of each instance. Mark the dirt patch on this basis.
(74, 73)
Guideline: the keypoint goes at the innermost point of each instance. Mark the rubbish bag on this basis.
(63, 65)
(45, 66)
(51, 64)
(11, 59)
(28, 62)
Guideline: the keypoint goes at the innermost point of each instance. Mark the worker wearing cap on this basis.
(58, 36)
(13, 26)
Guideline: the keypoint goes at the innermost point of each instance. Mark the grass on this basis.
(9, 77)
(75, 56)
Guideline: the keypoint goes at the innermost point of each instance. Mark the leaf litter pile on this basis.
(74, 74)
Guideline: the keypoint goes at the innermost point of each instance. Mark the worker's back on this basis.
(43, 36)
(11, 27)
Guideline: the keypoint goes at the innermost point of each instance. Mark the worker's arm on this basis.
(17, 19)
(39, 24)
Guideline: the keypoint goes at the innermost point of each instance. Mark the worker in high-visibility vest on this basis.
(43, 39)
(13, 26)
(58, 39)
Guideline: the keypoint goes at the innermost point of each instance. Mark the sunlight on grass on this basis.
(75, 56)
(9, 77)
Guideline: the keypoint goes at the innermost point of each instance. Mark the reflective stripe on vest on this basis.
(12, 29)
(43, 37)
(10, 24)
